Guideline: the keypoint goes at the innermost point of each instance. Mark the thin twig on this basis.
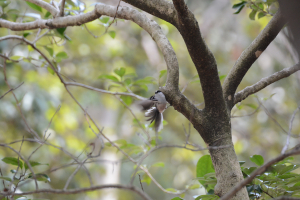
(11, 90)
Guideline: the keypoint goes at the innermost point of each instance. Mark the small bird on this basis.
(155, 106)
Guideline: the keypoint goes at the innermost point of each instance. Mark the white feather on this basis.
(149, 111)
(161, 123)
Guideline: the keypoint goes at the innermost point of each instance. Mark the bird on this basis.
(154, 107)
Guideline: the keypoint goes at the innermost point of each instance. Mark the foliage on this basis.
(278, 180)
(259, 8)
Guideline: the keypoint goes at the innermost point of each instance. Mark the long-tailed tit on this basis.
(154, 107)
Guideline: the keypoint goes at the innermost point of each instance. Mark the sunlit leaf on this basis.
(50, 50)
(107, 76)
(34, 6)
(5, 178)
(162, 73)
(104, 20)
(204, 166)
(120, 71)
(159, 164)
(62, 55)
(112, 34)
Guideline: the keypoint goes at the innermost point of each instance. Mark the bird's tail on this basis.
(156, 116)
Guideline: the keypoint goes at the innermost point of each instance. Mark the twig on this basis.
(141, 182)
(11, 90)
(290, 130)
(51, 120)
(62, 7)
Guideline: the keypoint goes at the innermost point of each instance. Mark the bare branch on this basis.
(240, 96)
(249, 56)
(11, 90)
(81, 190)
(105, 91)
(54, 12)
(286, 198)
(290, 131)
(259, 171)
(62, 7)
(160, 8)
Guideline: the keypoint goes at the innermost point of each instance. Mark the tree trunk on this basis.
(227, 169)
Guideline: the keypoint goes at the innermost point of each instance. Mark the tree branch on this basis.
(259, 171)
(159, 8)
(249, 56)
(240, 96)
(81, 190)
(202, 57)
(61, 13)
(54, 12)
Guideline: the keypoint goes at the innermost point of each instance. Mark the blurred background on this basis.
(127, 46)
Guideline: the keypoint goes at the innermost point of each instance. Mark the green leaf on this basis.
(222, 77)
(112, 34)
(146, 179)
(104, 20)
(47, 15)
(50, 50)
(162, 73)
(241, 162)
(61, 55)
(107, 76)
(177, 198)
(50, 70)
(33, 163)
(257, 159)
(121, 142)
(4, 4)
(61, 30)
(126, 99)
(252, 14)
(207, 197)
(204, 166)
(251, 105)
(261, 6)
(146, 80)
(16, 57)
(26, 34)
(235, 6)
(159, 164)
(194, 186)
(171, 190)
(249, 170)
(127, 81)
(13, 161)
(239, 10)
(5, 178)
(34, 6)
(41, 177)
(261, 14)
(120, 71)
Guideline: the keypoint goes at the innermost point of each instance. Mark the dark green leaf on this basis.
(252, 14)
(239, 10)
(107, 76)
(261, 14)
(120, 71)
(112, 34)
(26, 34)
(238, 5)
(33, 163)
(34, 6)
(13, 161)
(241, 163)
(61, 30)
(162, 73)
(249, 170)
(261, 6)
(257, 159)
(41, 177)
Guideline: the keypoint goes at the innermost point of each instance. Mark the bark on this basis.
(227, 169)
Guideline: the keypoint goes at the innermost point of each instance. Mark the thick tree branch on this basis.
(81, 190)
(54, 12)
(249, 56)
(259, 171)
(240, 96)
(160, 8)
(202, 57)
